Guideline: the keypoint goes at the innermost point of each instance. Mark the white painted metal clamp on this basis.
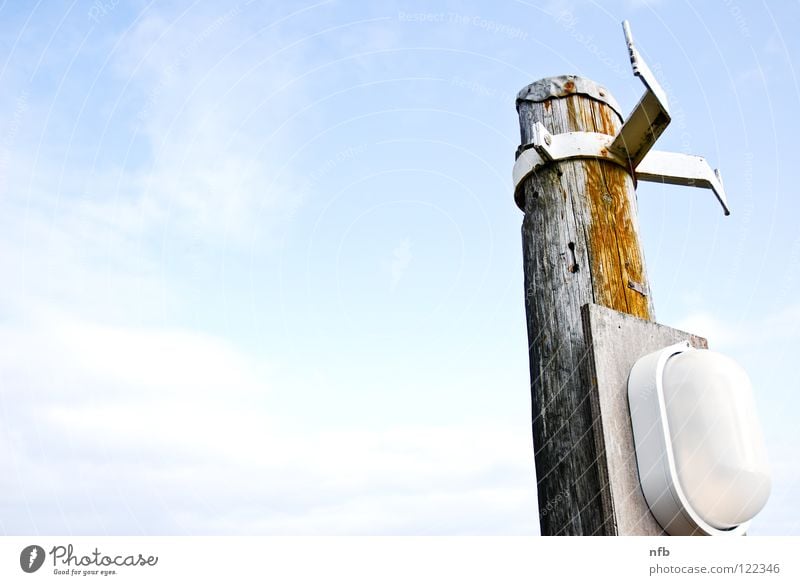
(630, 148)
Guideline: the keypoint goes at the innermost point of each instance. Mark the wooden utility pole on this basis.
(580, 245)
(587, 299)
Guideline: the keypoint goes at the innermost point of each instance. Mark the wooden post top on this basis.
(561, 86)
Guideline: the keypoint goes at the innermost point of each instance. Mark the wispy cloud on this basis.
(781, 324)
(179, 419)
(120, 417)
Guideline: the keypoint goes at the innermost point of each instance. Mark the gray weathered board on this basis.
(615, 341)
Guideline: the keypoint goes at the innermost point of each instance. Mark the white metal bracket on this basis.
(547, 148)
(630, 148)
(675, 168)
(649, 118)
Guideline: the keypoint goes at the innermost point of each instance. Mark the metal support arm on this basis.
(649, 118)
(675, 168)
(630, 148)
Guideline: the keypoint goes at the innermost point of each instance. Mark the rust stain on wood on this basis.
(606, 120)
(613, 241)
(616, 252)
(572, 116)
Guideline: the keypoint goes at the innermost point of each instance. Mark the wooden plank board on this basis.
(615, 341)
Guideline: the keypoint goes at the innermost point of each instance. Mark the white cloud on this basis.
(177, 428)
(780, 324)
(196, 168)
(100, 400)
(718, 332)
(214, 94)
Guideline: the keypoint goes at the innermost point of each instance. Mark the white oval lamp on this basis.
(699, 448)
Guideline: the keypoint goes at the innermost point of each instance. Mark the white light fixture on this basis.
(699, 448)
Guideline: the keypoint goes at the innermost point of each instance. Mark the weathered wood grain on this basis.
(580, 245)
(615, 341)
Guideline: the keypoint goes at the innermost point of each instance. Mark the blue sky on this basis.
(262, 268)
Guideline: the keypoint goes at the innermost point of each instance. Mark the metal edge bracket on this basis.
(649, 118)
(675, 168)
(630, 148)
(546, 148)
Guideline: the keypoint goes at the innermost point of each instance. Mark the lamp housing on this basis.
(699, 447)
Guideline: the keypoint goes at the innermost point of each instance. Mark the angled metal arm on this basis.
(649, 118)
(630, 148)
(675, 168)
(646, 123)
